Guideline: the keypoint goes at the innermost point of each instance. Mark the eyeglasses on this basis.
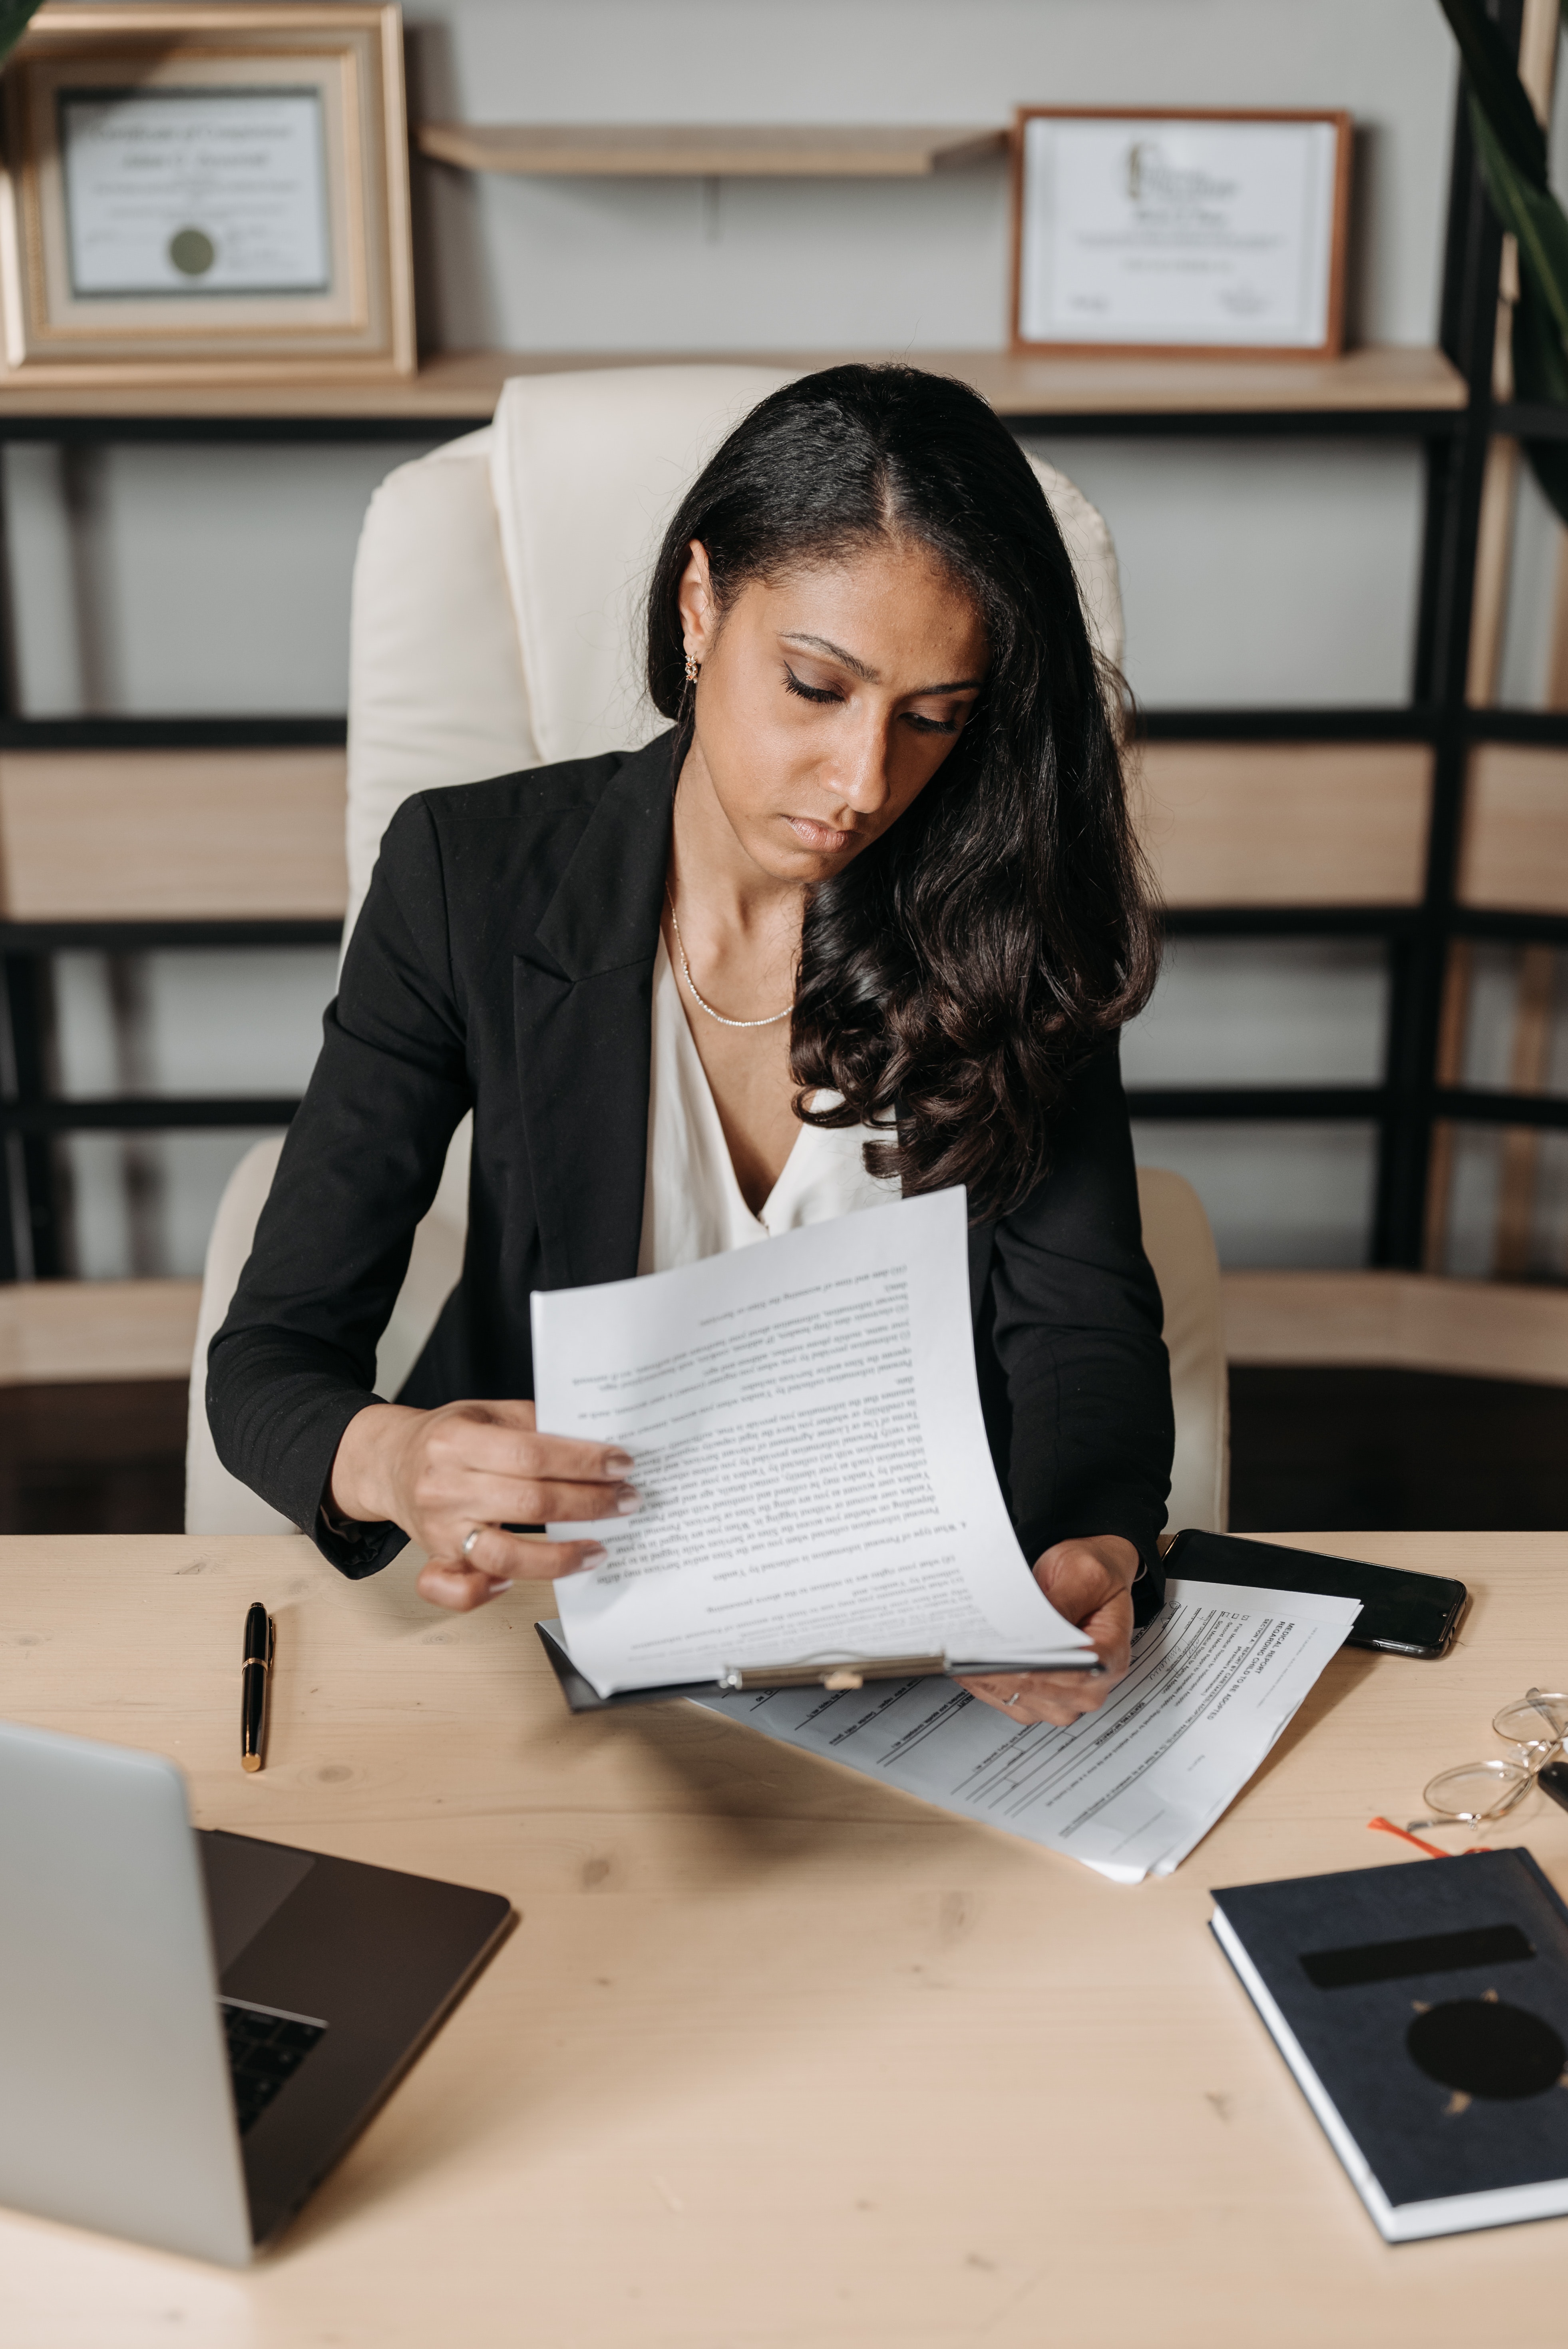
(1477, 1793)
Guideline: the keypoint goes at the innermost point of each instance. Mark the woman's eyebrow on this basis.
(833, 651)
(861, 669)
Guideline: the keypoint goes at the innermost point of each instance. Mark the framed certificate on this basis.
(206, 192)
(1139, 231)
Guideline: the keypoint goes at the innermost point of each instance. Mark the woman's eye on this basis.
(809, 692)
(931, 725)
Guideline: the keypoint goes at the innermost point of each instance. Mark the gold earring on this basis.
(692, 668)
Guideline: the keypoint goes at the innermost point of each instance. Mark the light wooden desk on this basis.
(777, 2057)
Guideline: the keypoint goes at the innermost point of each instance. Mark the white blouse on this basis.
(692, 1204)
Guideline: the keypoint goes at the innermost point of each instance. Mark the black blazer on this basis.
(503, 963)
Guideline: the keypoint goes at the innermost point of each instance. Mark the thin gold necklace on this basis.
(773, 1017)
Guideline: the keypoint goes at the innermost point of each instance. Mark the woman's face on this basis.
(828, 698)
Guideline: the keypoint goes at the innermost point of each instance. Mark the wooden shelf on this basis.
(171, 836)
(58, 1333)
(1514, 853)
(1287, 824)
(759, 150)
(463, 385)
(1399, 1320)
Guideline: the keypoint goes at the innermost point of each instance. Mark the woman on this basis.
(868, 918)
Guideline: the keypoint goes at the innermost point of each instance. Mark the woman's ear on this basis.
(695, 602)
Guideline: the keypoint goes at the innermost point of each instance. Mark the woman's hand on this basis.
(1091, 1582)
(453, 1478)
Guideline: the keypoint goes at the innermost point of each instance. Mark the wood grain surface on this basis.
(777, 2057)
(57, 1331)
(1401, 1320)
(466, 384)
(1284, 823)
(837, 150)
(1514, 850)
(53, 1332)
(172, 835)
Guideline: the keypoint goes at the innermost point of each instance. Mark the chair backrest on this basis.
(435, 693)
(499, 582)
(1179, 1246)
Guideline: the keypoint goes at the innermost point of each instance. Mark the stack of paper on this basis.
(1129, 1789)
(804, 1421)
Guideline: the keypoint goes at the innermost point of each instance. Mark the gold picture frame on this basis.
(195, 193)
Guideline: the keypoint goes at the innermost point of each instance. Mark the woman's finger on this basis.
(565, 1460)
(491, 1556)
(459, 1587)
(494, 1447)
(1057, 1698)
(480, 1500)
(1110, 1628)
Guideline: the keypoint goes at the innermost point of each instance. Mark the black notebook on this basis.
(1423, 2008)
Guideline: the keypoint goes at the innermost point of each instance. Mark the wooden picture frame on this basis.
(198, 193)
(1215, 241)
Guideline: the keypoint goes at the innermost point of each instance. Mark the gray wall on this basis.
(216, 579)
(540, 264)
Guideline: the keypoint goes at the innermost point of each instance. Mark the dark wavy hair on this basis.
(966, 965)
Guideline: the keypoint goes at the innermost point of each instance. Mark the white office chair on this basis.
(494, 626)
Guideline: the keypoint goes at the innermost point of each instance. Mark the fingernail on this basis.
(619, 1464)
(628, 1500)
(594, 1555)
(497, 1587)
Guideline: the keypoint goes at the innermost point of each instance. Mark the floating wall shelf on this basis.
(766, 151)
(1387, 386)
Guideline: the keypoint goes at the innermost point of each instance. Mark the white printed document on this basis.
(805, 1423)
(1129, 1789)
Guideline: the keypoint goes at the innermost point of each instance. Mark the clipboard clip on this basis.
(832, 1672)
(853, 1672)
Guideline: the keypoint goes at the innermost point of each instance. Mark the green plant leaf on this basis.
(1533, 215)
(1510, 148)
(14, 15)
(1496, 89)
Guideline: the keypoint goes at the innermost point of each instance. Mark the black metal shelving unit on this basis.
(1405, 1107)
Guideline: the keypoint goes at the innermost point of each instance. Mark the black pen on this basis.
(254, 1673)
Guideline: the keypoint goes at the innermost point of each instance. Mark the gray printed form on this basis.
(1129, 1789)
(806, 1428)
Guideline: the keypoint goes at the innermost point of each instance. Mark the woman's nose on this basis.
(863, 775)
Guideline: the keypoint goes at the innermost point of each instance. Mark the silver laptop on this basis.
(193, 2027)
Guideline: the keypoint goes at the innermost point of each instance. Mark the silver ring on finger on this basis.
(469, 1539)
(1014, 1698)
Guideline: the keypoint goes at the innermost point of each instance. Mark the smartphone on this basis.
(1401, 1614)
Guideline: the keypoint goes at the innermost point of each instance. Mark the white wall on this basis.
(205, 579)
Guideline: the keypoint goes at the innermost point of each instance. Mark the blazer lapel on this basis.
(582, 998)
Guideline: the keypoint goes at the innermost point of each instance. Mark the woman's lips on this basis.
(820, 838)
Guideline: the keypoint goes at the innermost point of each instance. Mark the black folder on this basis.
(581, 1694)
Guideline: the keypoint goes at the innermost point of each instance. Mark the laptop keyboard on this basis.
(264, 2051)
